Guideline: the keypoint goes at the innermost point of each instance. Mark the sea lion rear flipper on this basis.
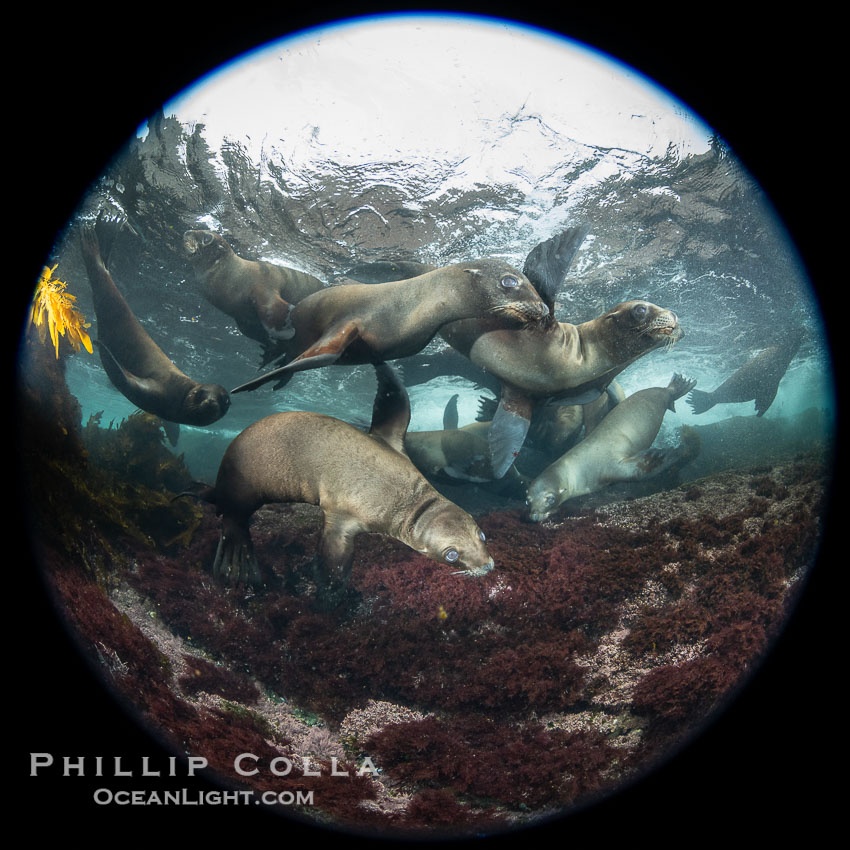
(391, 410)
(678, 386)
(700, 401)
(235, 563)
(548, 263)
(450, 418)
(486, 408)
(508, 429)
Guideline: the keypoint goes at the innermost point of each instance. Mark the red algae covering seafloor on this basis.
(429, 702)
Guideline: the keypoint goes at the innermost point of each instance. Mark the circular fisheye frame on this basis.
(246, 414)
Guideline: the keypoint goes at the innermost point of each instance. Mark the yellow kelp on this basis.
(52, 300)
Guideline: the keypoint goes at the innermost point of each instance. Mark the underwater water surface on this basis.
(434, 703)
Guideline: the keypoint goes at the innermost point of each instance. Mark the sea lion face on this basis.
(639, 326)
(451, 536)
(205, 403)
(205, 247)
(545, 495)
(508, 292)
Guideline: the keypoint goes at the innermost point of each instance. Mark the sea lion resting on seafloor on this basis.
(368, 323)
(463, 454)
(134, 363)
(362, 482)
(618, 449)
(757, 380)
(255, 294)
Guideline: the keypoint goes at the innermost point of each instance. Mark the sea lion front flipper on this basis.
(450, 417)
(547, 264)
(508, 429)
(764, 398)
(332, 564)
(273, 313)
(322, 353)
(391, 409)
(172, 431)
(128, 384)
(235, 563)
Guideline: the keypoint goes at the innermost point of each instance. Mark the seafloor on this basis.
(595, 646)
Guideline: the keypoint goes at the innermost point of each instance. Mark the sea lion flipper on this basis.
(332, 563)
(130, 385)
(450, 417)
(235, 562)
(548, 262)
(579, 395)
(700, 401)
(273, 313)
(172, 431)
(765, 398)
(391, 409)
(508, 429)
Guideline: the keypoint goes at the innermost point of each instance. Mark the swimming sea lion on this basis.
(134, 363)
(618, 449)
(558, 361)
(362, 482)
(255, 294)
(757, 380)
(367, 323)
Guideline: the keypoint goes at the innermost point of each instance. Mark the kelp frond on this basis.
(53, 303)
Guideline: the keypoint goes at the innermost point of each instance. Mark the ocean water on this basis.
(672, 218)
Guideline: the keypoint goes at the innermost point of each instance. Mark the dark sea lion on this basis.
(255, 294)
(366, 323)
(384, 271)
(362, 482)
(134, 363)
(757, 380)
(618, 449)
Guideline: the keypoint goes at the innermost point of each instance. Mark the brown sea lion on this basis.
(618, 449)
(757, 380)
(255, 294)
(367, 323)
(362, 482)
(134, 363)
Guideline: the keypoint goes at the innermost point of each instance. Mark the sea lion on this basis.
(362, 482)
(255, 294)
(367, 323)
(757, 380)
(618, 449)
(134, 363)
(456, 454)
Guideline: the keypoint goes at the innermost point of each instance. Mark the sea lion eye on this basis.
(550, 499)
(509, 281)
(452, 555)
(207, 239)
(481, 536)
(639, 311)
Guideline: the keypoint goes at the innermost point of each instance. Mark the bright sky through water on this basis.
(378, 89)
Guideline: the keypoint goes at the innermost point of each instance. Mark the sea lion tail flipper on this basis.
(678, 386)
(548, 262)
(450, 417)
(700, 401)
(391, 409)
(507, 431)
